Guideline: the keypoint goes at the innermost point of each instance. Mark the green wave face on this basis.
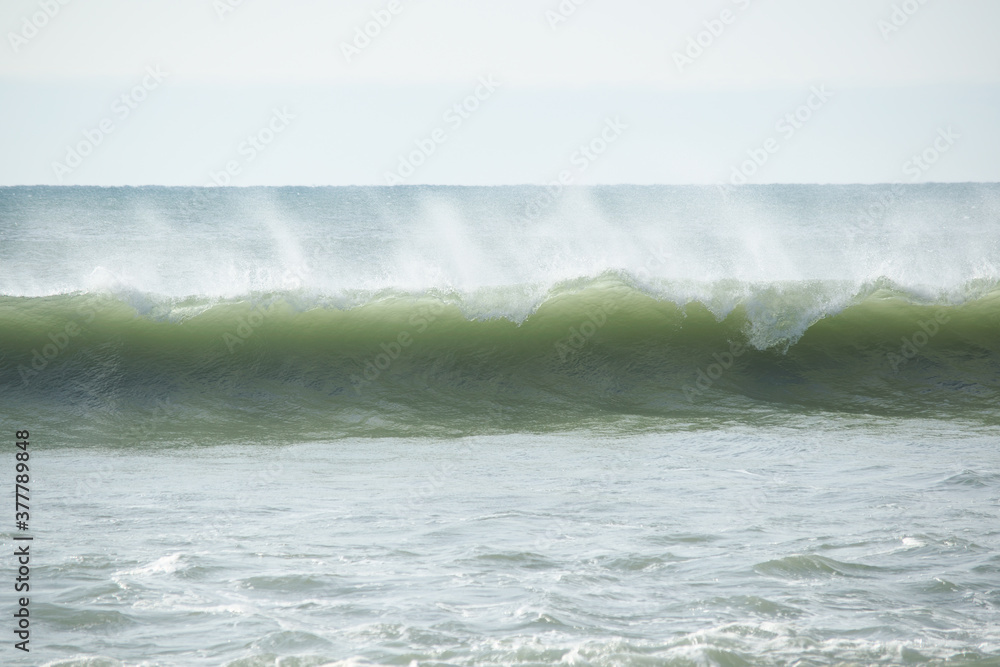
(408, 364)
(224, 313)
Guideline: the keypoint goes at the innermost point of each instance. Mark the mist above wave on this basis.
(518, 243)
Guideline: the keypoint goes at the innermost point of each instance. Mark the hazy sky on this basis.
(176, 91)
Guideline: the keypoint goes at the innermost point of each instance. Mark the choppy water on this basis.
(812, 540)
(628, 426)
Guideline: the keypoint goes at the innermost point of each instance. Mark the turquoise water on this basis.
(487, 426)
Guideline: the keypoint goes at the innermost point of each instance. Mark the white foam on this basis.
(165, 565)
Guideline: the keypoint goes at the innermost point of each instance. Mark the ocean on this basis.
(427, 426)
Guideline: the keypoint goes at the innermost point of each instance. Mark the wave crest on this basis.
(604, 346)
